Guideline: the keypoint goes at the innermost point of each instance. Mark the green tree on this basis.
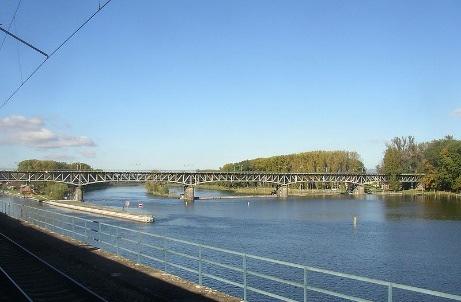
(439, 160)
(53, 190)
(314, 161)
(157, 188)
(56, 191)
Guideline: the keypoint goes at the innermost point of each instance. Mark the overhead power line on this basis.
(7, 100)
(11, 22)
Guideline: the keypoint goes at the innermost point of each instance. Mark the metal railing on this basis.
(247, 276)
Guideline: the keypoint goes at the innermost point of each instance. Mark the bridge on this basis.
(190, 179)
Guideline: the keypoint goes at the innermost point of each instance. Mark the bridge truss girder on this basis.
(83, 178)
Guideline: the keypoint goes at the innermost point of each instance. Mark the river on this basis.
(404, 239)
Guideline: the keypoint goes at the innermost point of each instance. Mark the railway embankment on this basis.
(114, 278)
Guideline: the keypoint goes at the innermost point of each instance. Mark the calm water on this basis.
(408, 240)
(402, 239)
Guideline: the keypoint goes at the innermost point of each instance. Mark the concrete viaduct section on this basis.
(191, 179)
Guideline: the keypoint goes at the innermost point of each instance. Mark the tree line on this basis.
(51, 165)
(314, 161)
(439, 160)
(52, 190)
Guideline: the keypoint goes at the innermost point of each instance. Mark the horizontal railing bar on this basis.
(152, 258)
(276, 279)
(152, 246)
(234, 268)
(179, 240)
(55, 213)
(427, 291)
(182, 254)
(335, 294)
(191, 270)
(129, 240)
(221, 250)
(347, 276)
(128, 250)
(294, 265)
(263, 292)
(107, 234)
(222, 280)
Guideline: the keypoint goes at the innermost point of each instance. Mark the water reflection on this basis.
(422, 207)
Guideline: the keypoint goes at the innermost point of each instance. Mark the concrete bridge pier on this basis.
(189, 193)
(282, 191)
(78, 193)
(359, 190)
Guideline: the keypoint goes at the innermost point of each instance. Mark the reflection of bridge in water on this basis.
(190, 179)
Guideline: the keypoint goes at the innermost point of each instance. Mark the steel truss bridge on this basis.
(187, 178)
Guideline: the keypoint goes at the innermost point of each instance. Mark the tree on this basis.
(56, 191)
(439, 160)
(53, 190)
(314, 161)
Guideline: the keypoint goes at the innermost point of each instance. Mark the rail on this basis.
(251, 277)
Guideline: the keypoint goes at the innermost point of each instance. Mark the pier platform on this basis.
(100, 210)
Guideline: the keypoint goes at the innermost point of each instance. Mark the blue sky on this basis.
(196, 84)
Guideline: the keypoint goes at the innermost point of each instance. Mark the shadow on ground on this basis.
(102, 272)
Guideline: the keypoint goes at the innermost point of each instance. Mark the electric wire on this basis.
(11, 22)
(18, 52)
(7, 100)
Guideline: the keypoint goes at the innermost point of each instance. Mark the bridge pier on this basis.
(359, 190)
(282, 191)
(189, 193)
(78, 193)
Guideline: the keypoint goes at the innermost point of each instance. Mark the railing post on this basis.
(164, 254)
(116, 241)
(86, 232)
(99, 234)
(305, 285)
(200, 265)
(389, 292)
(139, 249)
(244, 277)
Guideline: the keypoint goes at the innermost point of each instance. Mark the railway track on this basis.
(26, 277)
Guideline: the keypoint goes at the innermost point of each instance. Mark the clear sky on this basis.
(196, 84)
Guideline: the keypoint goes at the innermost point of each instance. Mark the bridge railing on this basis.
(251, 277)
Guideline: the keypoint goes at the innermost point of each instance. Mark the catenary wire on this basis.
(11, 22)
(7, 100)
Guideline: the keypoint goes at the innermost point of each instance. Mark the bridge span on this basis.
(190, 179)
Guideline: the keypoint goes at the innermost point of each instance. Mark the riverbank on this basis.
(86, 207)
(15, 193)
(114, 278)
(415, 192)
(268, 190)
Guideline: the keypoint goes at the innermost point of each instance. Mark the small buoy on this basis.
(140, 205)
(354, 221)
(248, 203)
